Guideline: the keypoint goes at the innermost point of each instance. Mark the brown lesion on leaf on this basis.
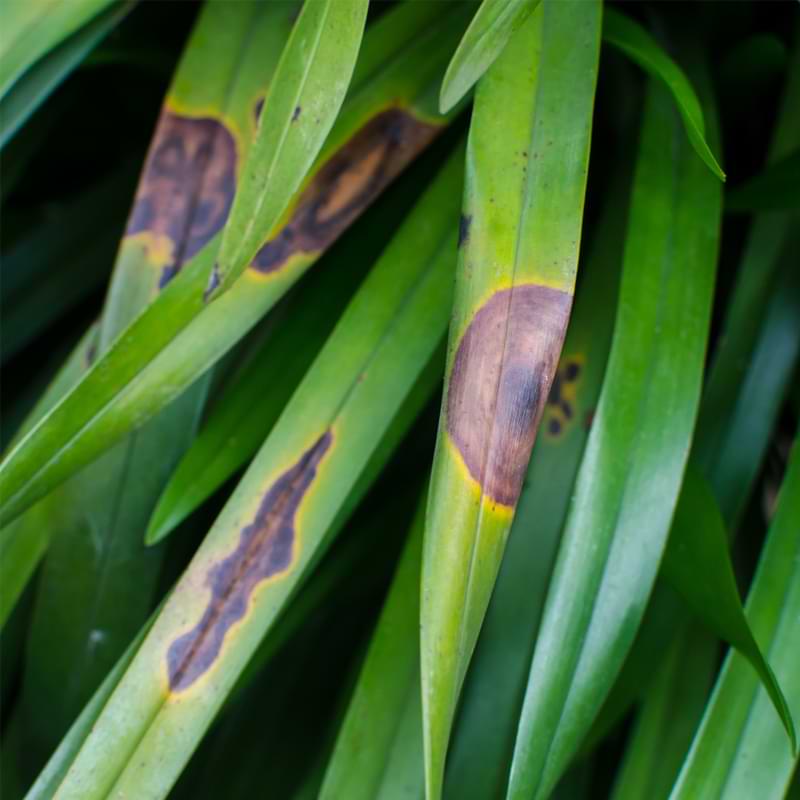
(346, 185)
(186, 190)
(501, 376)
(266, 549)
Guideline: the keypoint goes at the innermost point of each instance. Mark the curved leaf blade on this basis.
(493, 25)
(306, 95)
(698, 565)
(530, 130)
(633, 40)
(741, 750)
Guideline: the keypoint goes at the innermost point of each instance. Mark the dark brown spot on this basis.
(265, 549)
(296, 113)
(186, 189)
(463, 229)
(259, 107)
(500, 380)
(346, 184)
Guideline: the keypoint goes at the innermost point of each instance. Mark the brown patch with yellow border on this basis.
(346, 184)
(266, 549)
(501, 376)
(186, 190)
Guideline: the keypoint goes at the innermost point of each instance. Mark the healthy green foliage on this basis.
(740, 749)
(636, 42)
(697, 563)
(488, 33)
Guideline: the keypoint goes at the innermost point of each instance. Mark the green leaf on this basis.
(773, 189)
(276, 522)
(35, 85)
(741, 750)
(378, 752)
(518, 256)
(492, 26)
(697, 563)
(45, 786)
(32, 29)
(307, 92)
(495, 683)
(616, 528)
(171, 343)
(633, 40)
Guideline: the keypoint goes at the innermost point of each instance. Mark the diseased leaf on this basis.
(161, 353)
(254, 397)
(493, 25)
(495, 683)
(527, 162)
(307, 92)
(616, 528)
(275, 524)
(633, 40)
(741, 750)
(697, 563)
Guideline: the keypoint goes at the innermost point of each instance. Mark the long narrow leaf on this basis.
(495, 684)
(617, 528)
(741, 750)
(309, 86)
(520, 234)
(698, 565)
(636, 42)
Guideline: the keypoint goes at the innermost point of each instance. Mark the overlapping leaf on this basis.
(527, 163)
(636, 42)
(276, 522)
(309, 86)
(386, 120)
(488, 33)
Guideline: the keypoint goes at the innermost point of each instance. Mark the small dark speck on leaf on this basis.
(297, 110)
(463, 229)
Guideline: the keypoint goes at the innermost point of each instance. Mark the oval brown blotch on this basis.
(346, 184)
(501, 376)
(187, 186)
(265, 549)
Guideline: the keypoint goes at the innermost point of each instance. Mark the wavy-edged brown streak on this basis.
(346, 184)
(265, 550)
(500, 380)
(186, 190)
